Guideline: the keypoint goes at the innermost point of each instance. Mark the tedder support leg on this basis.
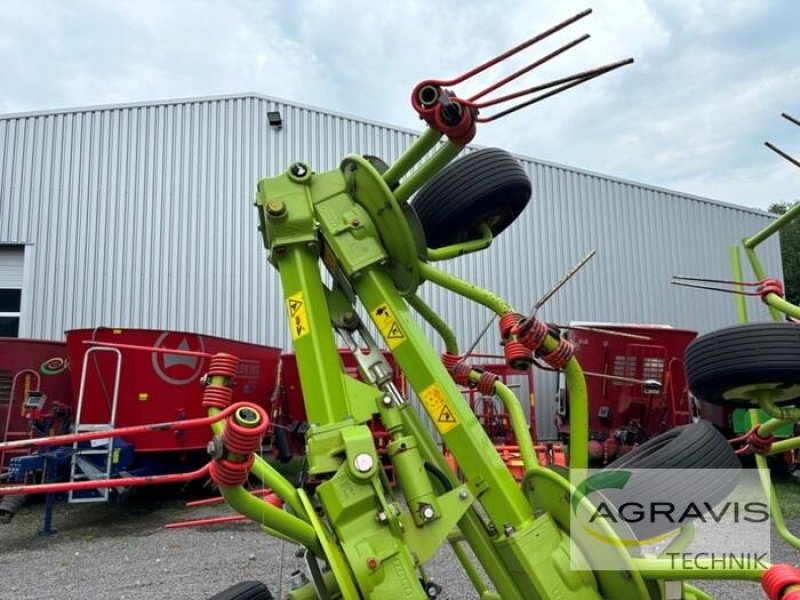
(532, 550)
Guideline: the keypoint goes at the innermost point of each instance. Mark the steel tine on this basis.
(526, 69)
(574, 81)
(512, 51)
(783, 154)
(790, 119)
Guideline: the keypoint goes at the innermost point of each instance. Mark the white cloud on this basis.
(710, 80)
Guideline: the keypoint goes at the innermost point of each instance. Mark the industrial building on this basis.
(140, 215)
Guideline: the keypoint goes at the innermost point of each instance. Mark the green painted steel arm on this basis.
(447, 152)
(412, 156)
(442, 328)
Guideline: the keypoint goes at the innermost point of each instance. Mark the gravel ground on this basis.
(122, 551)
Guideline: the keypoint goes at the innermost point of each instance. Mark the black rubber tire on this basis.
(753, 354)
(487, 186)
(246, 590)
(688, 465)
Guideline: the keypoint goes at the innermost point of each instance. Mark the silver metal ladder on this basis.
(81, 467)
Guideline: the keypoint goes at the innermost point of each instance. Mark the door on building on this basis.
(11, 270)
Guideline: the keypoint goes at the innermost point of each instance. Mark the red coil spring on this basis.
(244, 440)
(221, 395)
(229, 473)
(559, 357)
(530, 333)
(759, 445)
(507, 323)
(486, 383)
(517, 356)
(770, 286)
(460, 373)
(777, 578)
(450, 360)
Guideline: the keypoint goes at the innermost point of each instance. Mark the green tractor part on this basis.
(362, 539)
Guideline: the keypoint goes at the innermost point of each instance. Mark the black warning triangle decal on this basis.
(294, 306)
(446, 416)
(395, 333)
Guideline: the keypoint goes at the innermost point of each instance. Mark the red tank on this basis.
(154, 387)
(34, 389)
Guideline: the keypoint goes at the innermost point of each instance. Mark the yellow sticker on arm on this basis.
(439, 408)
(388, 326)
(298, 318)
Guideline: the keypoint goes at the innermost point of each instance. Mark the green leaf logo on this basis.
(599, 481)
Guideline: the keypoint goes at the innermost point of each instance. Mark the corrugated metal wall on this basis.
(141, 216)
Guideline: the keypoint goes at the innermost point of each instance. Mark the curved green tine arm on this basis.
(782, 413)
(773, 227)
(456, 250)
(519, 424)
(776, 302)
(771, 426)
(576, 382)
(463, 288)
(269, 475)
(782, 446)
(272, 517)
(758, 271)
(442, 328)
(681, 541)
(766, 483)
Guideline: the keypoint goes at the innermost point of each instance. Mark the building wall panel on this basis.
(141, 216)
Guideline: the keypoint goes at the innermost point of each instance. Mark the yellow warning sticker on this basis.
(388, 326)
(298, 317)
(439, 408)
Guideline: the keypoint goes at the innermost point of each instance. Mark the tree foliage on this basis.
(790, 253)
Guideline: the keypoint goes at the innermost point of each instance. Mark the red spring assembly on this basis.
(770, 286)
(507, 323)
(559, 357)
(758, 444)
(531, 333)
(228, 473)
(779, 577)
(450, 360)
(460, 373)
(517, 356)
(486, 383)
(218, 395)
(240, 439)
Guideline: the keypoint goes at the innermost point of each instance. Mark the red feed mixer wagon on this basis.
(636, 380)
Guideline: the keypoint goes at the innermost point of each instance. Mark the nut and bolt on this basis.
(372, 563)
(427, 512)
(276, 208)
(363, 463)
(508, 529)
(215, 448)
(297, 579)
(463, 494)
(298, 170)
(386, 401)
(383, 517)
(355, 222)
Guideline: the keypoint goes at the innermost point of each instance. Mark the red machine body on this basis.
(622, 412)
(155, 387)
(35, 370)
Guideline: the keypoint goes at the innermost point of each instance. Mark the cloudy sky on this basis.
(710, 80)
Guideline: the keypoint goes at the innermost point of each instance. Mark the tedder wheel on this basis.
(487, 186)
(688, 466)
(246, 590)
(721, 367)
